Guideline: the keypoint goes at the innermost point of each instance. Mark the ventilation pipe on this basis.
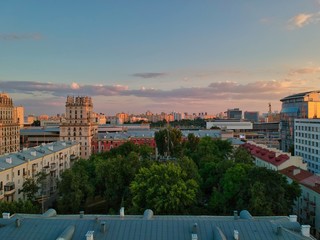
(235, 214)
(103, 227)
(89, 235)
(122, 212)
(18, 222)
(81, 214)
(194, 235)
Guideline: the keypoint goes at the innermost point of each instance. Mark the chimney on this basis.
(305, 230)
(89, 235)
(296, 171)
(236, 235)
(194, 235)
(81, 214)
(122, 212)
(235, 214)
(9, 160)
(6, 215)
(103, 227)
(293, 218)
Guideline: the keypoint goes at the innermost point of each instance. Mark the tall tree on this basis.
(163, 188)
(169, 142)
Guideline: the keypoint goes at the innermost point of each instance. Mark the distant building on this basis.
(307, 142)
(234, 113)
(301, 105)
(229, 125)
(9, 126)
(19, 116)
(252, 116)
(80, 124)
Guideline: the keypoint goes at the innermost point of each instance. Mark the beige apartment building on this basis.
(9, 127)
(51, 159)
(19, 115)
(80, 124)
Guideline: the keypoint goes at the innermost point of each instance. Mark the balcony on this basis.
(73, 157)
(9, 189)
(53, 167)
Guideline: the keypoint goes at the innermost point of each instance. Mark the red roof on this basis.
(266, 154)
(303, 177)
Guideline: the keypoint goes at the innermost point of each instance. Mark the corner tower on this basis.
(80, 124)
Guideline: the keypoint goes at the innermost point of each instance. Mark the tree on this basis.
(164, 188)
(31, 186)
(169, 142)
(75, 187)
(241, 155)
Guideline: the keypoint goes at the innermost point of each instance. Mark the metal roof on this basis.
(157, 228)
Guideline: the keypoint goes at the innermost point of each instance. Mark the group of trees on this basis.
(203, 176)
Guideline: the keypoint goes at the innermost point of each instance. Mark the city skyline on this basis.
(184, 56)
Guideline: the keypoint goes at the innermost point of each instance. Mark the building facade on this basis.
(302, 105)
(80, 124)
(51, 159)
(307, 142)
(252, 116)
(234, 113)
(19, 116)
(9, 127)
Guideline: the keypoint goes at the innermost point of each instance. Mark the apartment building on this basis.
(9, 127)
(272, 158)
(307, 142)
(80, 124)
(307, 206)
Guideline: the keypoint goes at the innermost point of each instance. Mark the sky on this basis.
(170, 55)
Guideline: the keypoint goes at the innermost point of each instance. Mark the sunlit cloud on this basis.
(306, 70)
(304, 19)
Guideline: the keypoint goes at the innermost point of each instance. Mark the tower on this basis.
(80, 124)
(9, 128)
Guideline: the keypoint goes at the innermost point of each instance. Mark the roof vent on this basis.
(89, 235)
(194, 235)
(103, 227)
(33, 153)
(296, 171)
(148, 214)
(18, 222)
(6, 215)
(50, 213)
(67, 233)
(81, 214)
(235, 214)
(305, 230)
(50, 148)
(244, 214)
(236, 235)
(9, 160)
(293, 218)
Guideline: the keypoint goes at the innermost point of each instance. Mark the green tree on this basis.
(31, 186)
(169, 142)
(163, 188)
(241, 155)
(75, 187)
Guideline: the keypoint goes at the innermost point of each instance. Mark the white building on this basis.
(307, 142)
(230, 125)
(52, 159)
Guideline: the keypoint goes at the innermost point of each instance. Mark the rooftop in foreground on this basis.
(53, 226)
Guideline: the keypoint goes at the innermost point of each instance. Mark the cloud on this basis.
(20, 36)
(306, 70)
(75, 85)
(149, 75)
(304, 19)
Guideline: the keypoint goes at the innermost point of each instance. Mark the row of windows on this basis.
(308, 128)
(307, 135)
(307, 142)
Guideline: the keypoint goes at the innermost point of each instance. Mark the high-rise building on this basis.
(80, 124)
(252, 116)
(307, 142)
(9, 128)
(301, 105)
(234, 113)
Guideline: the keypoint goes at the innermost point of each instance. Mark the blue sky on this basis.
(169, 55)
